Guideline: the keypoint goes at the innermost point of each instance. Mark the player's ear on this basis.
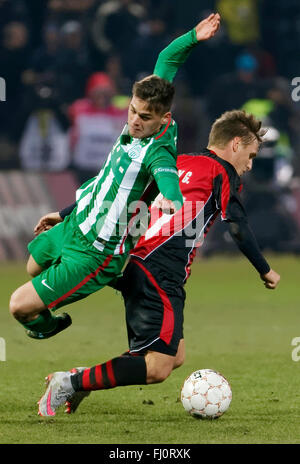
(235, 143)
(166, 117)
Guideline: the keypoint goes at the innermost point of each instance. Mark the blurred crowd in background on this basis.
(69, 66)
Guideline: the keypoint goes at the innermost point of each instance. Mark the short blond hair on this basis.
(235, 123)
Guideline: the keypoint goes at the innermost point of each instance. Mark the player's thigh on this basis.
(154, 316)
(159, 366)
(25, 301)
(45, 249)
(75, 277)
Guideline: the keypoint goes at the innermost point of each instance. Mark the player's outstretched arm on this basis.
(246, 241)
(271, 279)
(207, 28)
(175, 54)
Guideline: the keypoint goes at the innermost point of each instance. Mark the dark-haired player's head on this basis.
(150, 106)
(236, 137)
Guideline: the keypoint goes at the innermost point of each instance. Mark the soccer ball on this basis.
(206, 394)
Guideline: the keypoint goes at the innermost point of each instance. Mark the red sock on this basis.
(124, 370)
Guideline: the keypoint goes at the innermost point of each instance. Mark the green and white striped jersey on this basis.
(105, 203)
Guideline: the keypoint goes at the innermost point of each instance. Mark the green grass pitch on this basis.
(232, 324)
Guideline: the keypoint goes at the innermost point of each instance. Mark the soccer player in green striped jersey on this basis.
(88, 249)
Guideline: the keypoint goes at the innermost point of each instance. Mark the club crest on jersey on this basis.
(134, 152)
(134, 149)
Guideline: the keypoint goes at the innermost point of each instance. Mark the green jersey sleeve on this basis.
(164, 171)
(170, 189)
(174, 55)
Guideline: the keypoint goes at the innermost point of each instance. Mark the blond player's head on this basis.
(236, 136)
(235, 123)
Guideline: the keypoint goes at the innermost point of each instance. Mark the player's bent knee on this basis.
(178, 362)
(16, 308)
(158, 376)
(25, 303)
(159, 367)
(180, 355)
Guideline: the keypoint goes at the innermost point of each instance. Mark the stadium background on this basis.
(48, 51)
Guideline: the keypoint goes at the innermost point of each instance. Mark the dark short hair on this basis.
(235, 123)
(157, 92)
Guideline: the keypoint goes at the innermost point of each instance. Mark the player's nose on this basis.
(136, 120)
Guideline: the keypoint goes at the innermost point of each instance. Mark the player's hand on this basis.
(47, 222)
(208, 27)
(271, 279)
(166, 206)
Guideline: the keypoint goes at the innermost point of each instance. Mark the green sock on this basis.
(46, 322)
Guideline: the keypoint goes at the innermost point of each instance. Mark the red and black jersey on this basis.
(209, 185)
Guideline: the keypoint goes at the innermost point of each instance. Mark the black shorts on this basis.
(154, 308)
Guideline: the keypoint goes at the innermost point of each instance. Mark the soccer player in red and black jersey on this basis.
(153, 281)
